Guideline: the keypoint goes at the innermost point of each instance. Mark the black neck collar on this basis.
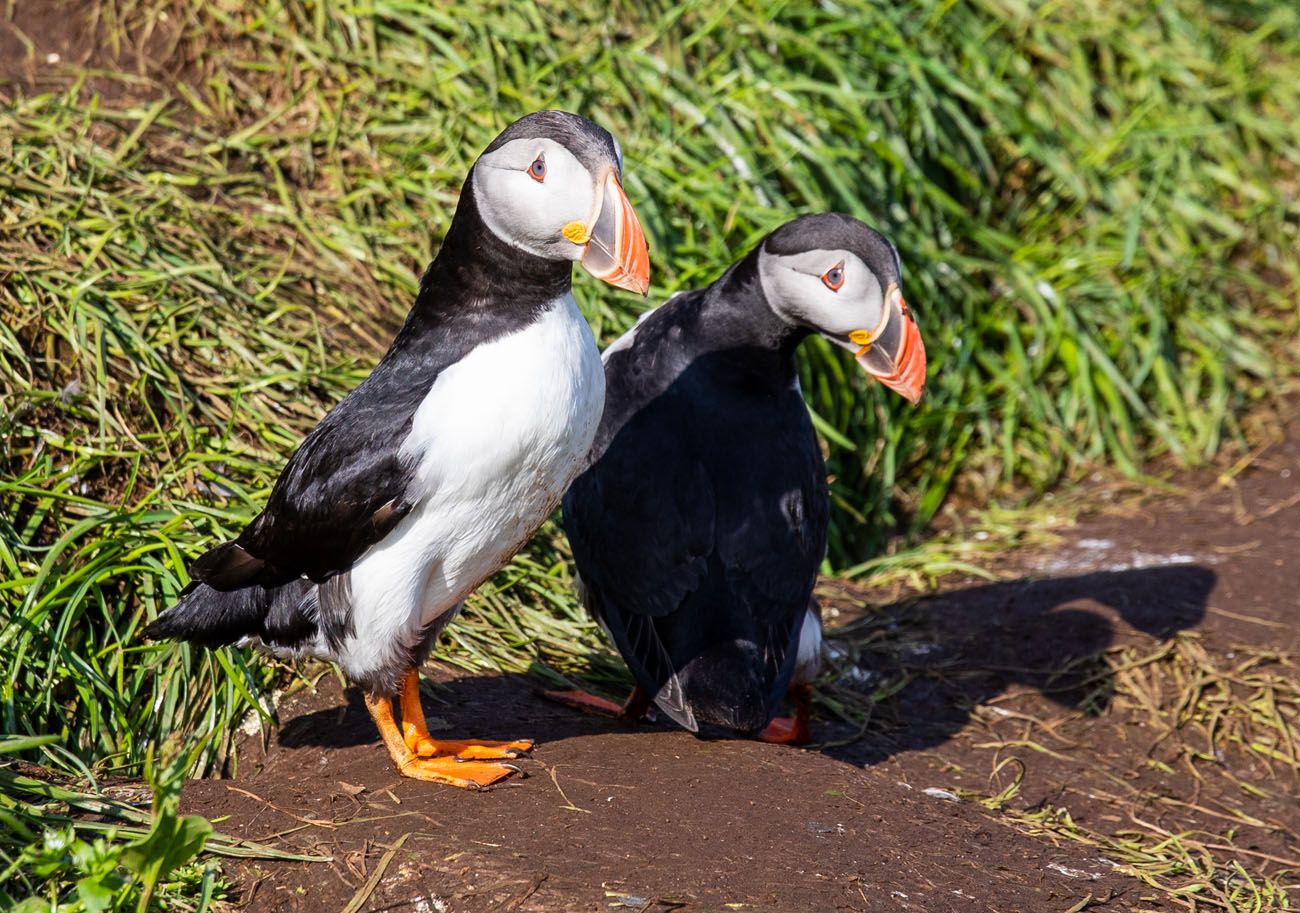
(739, 323)
(475, 269)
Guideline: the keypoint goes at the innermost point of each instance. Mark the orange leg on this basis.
(449, 770)
(415, 733)
(634, 710)
(792, 730)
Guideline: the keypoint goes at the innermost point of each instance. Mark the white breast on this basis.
(495, 443)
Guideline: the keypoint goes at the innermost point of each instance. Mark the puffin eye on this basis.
(833, 278)
(537, 170)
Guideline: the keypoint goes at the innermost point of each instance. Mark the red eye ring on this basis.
(537, 170)
(833, 278)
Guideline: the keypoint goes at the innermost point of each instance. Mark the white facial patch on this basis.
(796, 290)
(530, 213)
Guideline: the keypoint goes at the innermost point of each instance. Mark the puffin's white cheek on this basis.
(831, 312)
(571, 200)
(840, 313)
(514, 207)
(533, 214)
(869, 310)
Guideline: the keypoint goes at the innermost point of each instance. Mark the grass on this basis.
(1183, 775)
(1183, 868)
(1230, 724)
(1096, 206)
(1210, 709)
(70, 847)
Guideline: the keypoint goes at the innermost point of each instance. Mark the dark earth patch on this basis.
(1064, 683)
(125, 53)
(610, 815)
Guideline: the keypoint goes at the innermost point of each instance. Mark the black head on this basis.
(838, 277)
(550, 185)
(835, 231)
(593, 145)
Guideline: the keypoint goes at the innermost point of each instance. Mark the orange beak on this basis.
(616, 249)
(893, 353)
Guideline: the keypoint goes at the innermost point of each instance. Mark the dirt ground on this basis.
(1067, 683)
(122, 52)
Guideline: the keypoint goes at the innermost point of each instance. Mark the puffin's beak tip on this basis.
(617, 251)
(902, 370)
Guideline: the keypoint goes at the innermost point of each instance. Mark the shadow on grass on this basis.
(936, 658)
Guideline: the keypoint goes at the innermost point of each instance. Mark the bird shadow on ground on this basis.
(947, 653)
(956, 650)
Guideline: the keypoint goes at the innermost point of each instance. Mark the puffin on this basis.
(426, 479)
(698, 529)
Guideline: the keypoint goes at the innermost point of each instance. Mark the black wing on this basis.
(342, 491)
(642, 552)
(699, 525)
(772, 546)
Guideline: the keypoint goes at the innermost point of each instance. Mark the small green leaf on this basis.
(94, 894)
(172, 842)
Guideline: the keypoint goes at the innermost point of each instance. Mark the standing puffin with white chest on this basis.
(425, 479)
(700, 526)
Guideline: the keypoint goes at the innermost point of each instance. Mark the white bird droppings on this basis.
(946, 795)
(1072, 873)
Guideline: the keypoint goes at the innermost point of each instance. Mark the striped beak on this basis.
(616, 250)
(893, 352)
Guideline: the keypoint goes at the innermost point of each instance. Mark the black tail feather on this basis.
(725, 686)
(228, 566)
(213, 617)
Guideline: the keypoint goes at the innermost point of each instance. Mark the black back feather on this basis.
(700, 526)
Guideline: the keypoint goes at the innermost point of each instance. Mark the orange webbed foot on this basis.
(585, 702)
(454, 772)
(792, 730)
(785, 730)
(418, 755)
(469, 749)
(415, 733)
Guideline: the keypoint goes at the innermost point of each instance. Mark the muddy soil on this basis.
(124, 53)
(1005, 679)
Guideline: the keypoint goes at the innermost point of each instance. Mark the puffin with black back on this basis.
(700, 526)
(429, 476)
